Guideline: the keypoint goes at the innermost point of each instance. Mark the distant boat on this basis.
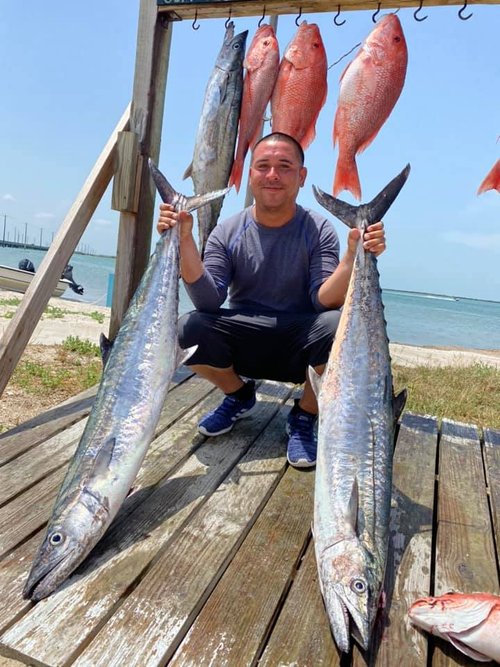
(18, 280)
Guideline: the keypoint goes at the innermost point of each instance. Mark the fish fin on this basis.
(347, 177)
(105, 346)
(315, 380)
(398, 404)
(188, 172)
(371, 212)
(352, 507)
(171, 196)
(104, 456)
(183, 355)
(223, 88)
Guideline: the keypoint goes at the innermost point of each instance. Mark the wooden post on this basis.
(134, 235)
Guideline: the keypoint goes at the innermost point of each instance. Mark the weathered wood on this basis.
(465, 553)
(302, 634)
(125, 191)
(55, 629)
(409, 564)
(211, 10)
(234, 621)
(22, 325)
(148, 98)
(492, 464)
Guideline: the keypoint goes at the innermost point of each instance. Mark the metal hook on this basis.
(226, 24)
(374, 19)
(336, 17)
(262, 18)
(464, 18)
(193, 25)
(419, 18)
(298, 17)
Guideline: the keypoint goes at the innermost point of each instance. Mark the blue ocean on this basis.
(413, 318)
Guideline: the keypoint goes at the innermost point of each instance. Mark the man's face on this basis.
(276, 175)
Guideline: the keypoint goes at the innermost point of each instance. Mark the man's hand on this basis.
(373, 240)
(168, 218)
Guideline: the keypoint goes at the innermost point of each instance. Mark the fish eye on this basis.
(56, 538)
(358, 586)
(397, 38)
(236, 46)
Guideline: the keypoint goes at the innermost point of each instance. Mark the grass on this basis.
(51, 312)
(469, 394)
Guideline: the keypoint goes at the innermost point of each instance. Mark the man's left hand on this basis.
(373, 240)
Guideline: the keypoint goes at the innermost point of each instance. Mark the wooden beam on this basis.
(22, 325)
(148, 99)
(204, 9)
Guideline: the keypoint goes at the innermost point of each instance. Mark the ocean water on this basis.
(413, 318)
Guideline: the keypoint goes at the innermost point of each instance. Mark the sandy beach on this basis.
(77, 319)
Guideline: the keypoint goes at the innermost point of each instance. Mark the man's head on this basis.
(277, 173)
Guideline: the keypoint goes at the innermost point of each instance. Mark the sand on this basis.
(76, 320)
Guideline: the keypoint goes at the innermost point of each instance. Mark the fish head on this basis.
(264, 49)
(386, 43)
(306, 49)
(70, 536)
(232, 52)
(351, 584)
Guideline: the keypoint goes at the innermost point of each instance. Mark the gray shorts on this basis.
(273, 346)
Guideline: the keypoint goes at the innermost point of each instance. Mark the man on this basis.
(279, 264)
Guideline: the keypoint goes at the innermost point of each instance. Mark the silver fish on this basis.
(125, 413)
(216, 137)
(357, 414)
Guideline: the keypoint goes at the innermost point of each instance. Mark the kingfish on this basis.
(357, 415)
(217, 129)
(125, 413)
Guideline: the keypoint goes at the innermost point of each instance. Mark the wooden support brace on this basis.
(125, 196)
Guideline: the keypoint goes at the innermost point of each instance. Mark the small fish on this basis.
(217, 129)
(357, 415)
(492, 180)
(125, 413)
(261, 64)
(369, 88)
(301, 86)
(469, 621)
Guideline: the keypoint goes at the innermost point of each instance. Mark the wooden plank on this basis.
(465, 555)
(202, 9)
(233, 623)
(409, 562)
(55, 629)
(27, 315)
(125, 196)
(492, 464)
(147, 110)
(302, 634)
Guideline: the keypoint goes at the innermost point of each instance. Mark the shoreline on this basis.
(76, 320)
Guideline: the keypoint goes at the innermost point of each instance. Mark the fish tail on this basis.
(492, 180)
(171, 196)
(371, 212)
(236, 174)
(346, 177)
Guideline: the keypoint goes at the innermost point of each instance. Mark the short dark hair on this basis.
(281, 136)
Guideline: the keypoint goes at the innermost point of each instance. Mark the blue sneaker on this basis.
(302, 442)
(222, 419)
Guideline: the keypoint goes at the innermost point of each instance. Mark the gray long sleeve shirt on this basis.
(267, 269)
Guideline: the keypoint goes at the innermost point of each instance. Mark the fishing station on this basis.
(210, 560)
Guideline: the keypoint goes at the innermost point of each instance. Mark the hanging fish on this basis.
(261, 65)
(217, 129)
(301, 87)
(492, 179)
(369, 88)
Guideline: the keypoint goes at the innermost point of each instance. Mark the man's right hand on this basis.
(169, 217)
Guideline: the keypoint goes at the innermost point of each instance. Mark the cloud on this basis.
(44, 216)
(8, 197)
(471, 240)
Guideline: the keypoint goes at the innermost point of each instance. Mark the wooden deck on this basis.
(210, 560)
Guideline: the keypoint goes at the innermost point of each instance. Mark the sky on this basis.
(66, 77)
